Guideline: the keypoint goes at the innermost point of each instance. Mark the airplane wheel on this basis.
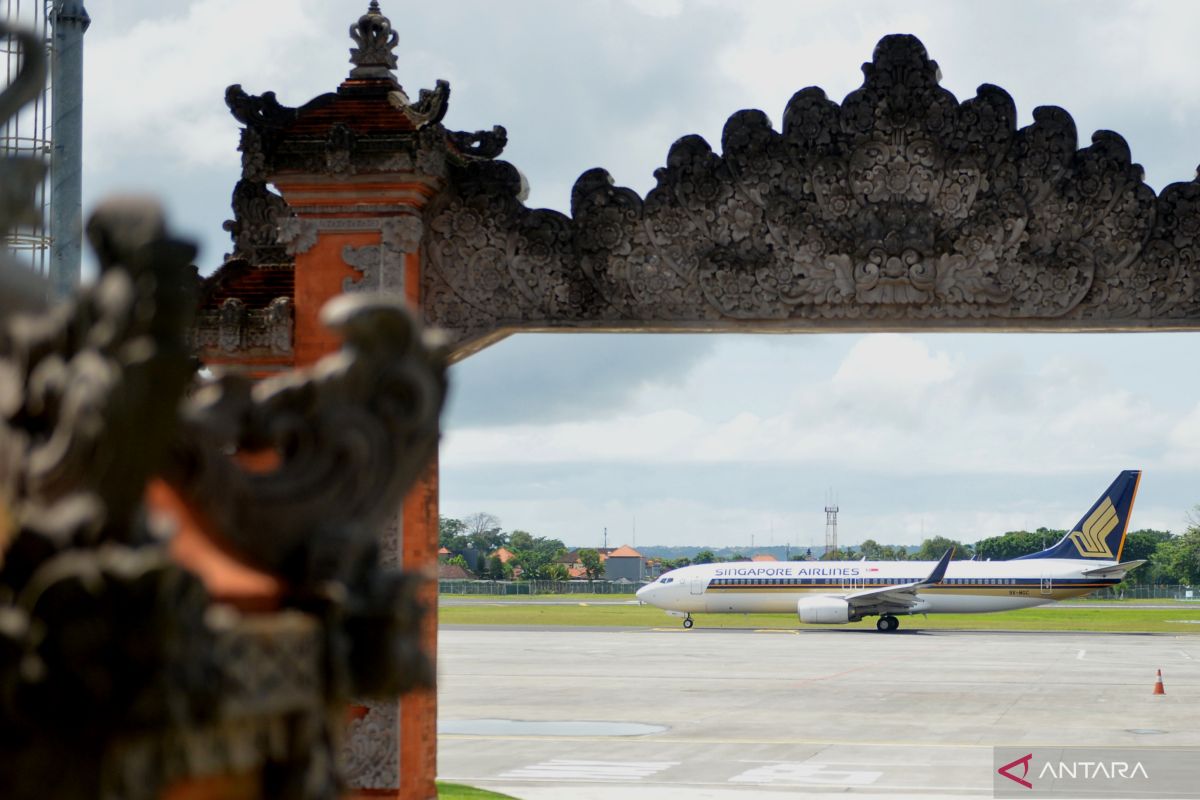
(883, 624)
(687, 623)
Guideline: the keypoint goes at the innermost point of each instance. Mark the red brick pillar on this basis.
(338, 247)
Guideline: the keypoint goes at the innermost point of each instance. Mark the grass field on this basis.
(534, 598)
(1131, 619)
(456, 791)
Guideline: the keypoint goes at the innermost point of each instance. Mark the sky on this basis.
(720, 440)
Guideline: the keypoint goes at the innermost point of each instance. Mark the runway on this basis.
(742, 713)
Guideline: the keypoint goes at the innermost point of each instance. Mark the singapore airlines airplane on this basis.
(837, 592)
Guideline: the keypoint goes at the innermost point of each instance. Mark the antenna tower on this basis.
(51, 129)
(831, 512)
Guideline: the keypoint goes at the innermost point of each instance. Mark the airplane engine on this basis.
(824, 610)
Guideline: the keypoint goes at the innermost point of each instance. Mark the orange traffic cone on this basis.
(1158, 687)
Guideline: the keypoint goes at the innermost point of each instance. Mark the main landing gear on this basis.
(887, 623)
(687, 621)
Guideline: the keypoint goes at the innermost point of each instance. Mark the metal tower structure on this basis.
(831, 512)
(50, 129)
(69, 21)
(27, 135)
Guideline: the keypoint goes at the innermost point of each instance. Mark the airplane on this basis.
(839, 592)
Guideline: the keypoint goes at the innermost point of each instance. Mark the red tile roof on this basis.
(764, 557)
(624, 551)
(361, 104)
(254, 286)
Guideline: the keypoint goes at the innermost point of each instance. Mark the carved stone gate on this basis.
(900, 208)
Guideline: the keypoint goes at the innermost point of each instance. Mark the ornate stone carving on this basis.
(383, 265)
(430, 107)
(297, 234)
(380, 129)
(371, 751)
(233, 319)
(277, 332)
(480, 144)
(257, 215)
(249, 332)
(402, 234)
(900, 207)
(374, 54)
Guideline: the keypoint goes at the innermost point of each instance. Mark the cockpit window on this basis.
(665, 580)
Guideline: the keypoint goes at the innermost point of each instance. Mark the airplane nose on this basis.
(643, 593)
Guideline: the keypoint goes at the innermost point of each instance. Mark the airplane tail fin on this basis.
(1100, 535)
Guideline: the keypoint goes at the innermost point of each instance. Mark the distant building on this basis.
(504, 554)
(763, 557)
(625, 563)
(443, 553)
(453, 572)
(575, 567)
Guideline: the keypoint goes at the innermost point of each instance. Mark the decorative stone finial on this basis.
(373, 58)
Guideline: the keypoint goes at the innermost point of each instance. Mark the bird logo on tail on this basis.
(1091, 542)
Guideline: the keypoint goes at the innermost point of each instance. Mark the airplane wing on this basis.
(901, 596)
(1116, 570)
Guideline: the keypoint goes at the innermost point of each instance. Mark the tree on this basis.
(557, 572)
(1147, 544)
(1010, 545)
(458, 561)
(535, 555)
(871, 550)
(520, 540)
(1180, 556)
(497, 570)
(483, 532)
(1143, 543)
(705, 557)
(452, 534)
(593, 567)
(935, 547)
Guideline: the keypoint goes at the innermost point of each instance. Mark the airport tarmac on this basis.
(745, 713)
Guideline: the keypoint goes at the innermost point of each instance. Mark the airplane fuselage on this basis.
(776, 587)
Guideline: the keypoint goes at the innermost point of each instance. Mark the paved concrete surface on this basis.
(807, 713)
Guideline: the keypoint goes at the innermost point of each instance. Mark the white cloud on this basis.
(1183, 441)
(657, 8)
(893, 403)
(155, 91)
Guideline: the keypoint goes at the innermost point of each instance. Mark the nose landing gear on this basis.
(887, 623)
